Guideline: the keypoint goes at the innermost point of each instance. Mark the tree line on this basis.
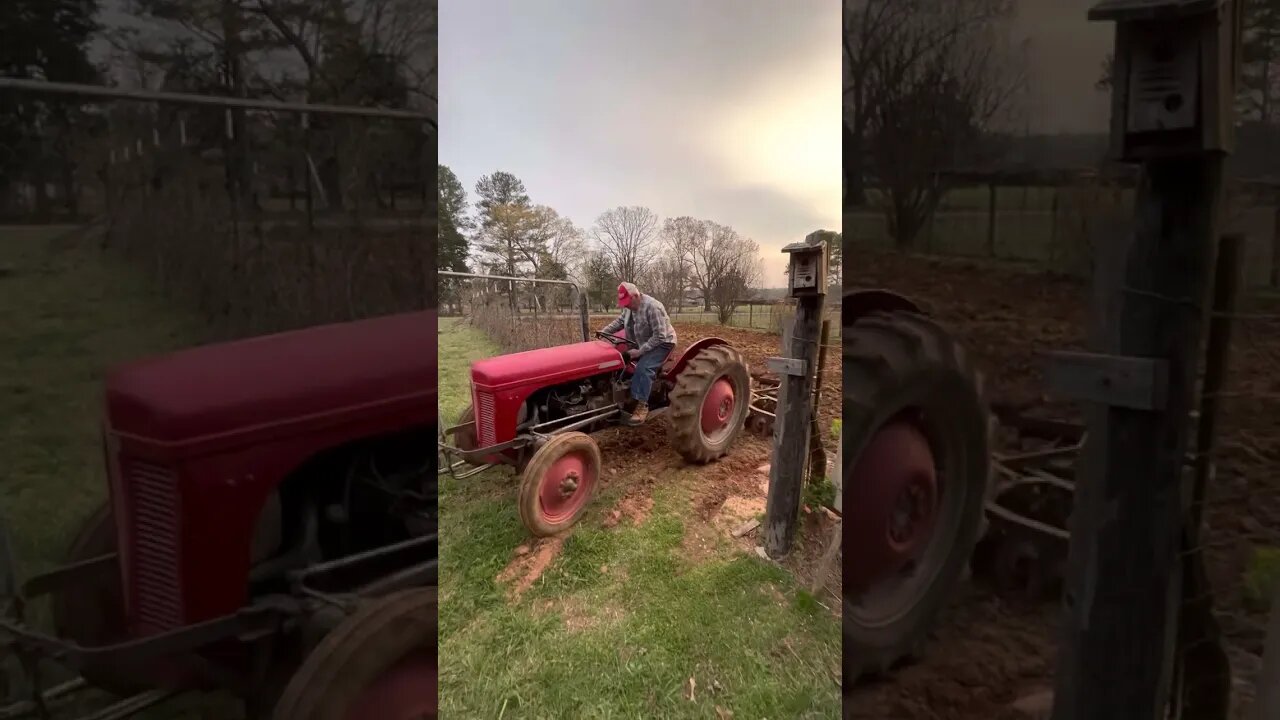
(929, 85)
(344, 52)
(925, 83)
(678, 260)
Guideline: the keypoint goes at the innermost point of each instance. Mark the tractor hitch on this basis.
(155, 660)
(1024, 550)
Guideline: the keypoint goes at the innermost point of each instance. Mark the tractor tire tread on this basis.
(352, 655)
(884, 352)
(691, 385)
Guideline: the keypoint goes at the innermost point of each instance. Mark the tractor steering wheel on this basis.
(617, 339)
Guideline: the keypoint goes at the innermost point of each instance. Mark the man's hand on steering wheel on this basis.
(617, 340)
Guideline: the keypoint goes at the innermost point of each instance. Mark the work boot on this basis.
(639, 414)
(629, 405)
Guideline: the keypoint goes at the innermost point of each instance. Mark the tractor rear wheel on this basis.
(379, 663)
(557, 483)
(710, 403)
(92, 615)
(917, 475)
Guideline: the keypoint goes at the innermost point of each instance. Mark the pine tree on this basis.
(454, 222)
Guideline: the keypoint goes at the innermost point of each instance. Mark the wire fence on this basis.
(769, 315)
(515, 314)
(1057, 221)
(1230, 548)
(520, 314)
(1231, 557)
(259, 215)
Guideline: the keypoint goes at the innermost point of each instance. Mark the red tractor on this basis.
(916, 466)
(270, 532)
(532, 411)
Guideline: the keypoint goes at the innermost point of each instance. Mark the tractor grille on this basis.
(156, 579)
(484, 418)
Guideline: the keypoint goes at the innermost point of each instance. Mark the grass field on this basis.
(69, 315)
(623, 622)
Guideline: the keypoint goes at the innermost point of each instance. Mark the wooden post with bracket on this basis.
(1172, 113)
(798, 370)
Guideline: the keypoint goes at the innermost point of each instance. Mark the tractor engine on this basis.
(353, 500)
(512, 392)
(576, 397)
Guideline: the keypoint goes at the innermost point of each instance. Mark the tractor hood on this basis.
(320, 375)
(546, 366)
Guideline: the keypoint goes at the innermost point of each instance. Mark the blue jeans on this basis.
(646, 369)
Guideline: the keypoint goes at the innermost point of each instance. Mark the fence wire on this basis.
(261, 220)
(1219, 655)
(1058, 227)
(1219, 659)
(514, 314)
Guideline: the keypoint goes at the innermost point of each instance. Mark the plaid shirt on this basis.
(646, 322)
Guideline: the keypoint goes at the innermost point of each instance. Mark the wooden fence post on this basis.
(793, 424)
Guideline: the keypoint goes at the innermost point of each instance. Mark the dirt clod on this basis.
(634, 507)
(526, 567)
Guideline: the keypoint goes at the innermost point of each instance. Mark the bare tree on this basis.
(628, 236)
(550, 243)
(926, 80)
(867, 25)
(740, 273)
(682, 236)
(715, 255)
(665, 279)
(554, 247)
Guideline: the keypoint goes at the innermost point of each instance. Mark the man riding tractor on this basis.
(647, 324)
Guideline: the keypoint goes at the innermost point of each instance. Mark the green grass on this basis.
(70, 313)
(623, 617)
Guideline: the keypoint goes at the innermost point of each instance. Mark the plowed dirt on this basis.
(989, 653)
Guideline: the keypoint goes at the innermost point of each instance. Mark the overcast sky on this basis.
(727, 110)
(1066, 54)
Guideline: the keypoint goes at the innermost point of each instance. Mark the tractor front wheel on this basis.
(379, 663)
(558, 482)
(465, 438)
(93, 614)
(916, 478)
(710, 403)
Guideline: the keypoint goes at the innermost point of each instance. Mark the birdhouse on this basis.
(1174, 76)
(807, 269)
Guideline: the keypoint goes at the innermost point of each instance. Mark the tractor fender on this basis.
(857, 304)
(672, 369)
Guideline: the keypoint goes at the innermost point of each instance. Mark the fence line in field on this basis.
(1056, 222)
(260, 215)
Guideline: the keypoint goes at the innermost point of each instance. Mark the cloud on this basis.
(727, 110)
